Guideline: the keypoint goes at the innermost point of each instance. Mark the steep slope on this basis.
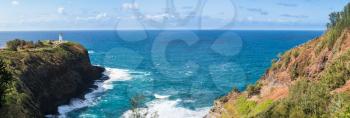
(311, 80)
(45, 78)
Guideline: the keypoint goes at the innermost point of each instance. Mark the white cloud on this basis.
(14, 2)
(130, 6)
(60, 10)
(99, 16)
(158, 17)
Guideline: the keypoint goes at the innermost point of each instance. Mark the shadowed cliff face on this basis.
(49, 77)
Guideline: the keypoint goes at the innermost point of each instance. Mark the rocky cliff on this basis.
(46, 78)
(311, 80)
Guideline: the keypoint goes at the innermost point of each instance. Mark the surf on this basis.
(91, 98)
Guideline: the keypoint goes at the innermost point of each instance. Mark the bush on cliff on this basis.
(18, 44)
(306, 99)
(253, 89)
(5, 79)
(338, 73)
(338, 22)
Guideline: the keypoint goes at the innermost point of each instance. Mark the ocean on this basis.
(178, 73)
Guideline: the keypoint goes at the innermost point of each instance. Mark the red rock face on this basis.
(307, 61)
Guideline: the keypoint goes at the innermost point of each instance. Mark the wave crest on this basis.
(90, 98)
(165, 108)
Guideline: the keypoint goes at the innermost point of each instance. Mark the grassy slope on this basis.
(307, 81)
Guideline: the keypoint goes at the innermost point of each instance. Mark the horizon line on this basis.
(234, 29)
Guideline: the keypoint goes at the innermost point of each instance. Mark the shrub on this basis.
(244, 106)
(247, 108)
(263, 106)
(253, 89)
(275, 64)
(340, 106)
(338, 22)
(39, 44)
(295, 53)
(294, 71)
(297, 113)
(5, 79)
(14, 44)
(311, 97)
(337, 73)
(17, 44)
(235, 90)
(305, 99)
(279, 111)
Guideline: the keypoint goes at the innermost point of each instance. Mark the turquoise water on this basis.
(178, 72)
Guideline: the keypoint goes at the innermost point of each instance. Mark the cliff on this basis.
(46, 77)
(311, 80)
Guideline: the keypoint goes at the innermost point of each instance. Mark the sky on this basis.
(165, 14)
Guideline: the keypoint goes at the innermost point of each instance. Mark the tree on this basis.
(5, 79)
(13, 45)
(333, 17)
(39, 44)
(135, 104)
(137, 111)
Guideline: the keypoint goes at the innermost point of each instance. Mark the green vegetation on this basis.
(313, 98)
(235, 90)
(306, 99)
(310, 95)
(20, 56)
(244, 107)
(339, 21)
(136, 110)
(18, 44)
(136, 103)
(5, 80)
(47, 50)
(338, 73)
(12, 101)
(275, 65)
(253, 89)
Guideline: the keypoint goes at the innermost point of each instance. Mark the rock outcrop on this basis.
(46, 78)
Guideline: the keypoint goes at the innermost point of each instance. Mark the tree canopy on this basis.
(5, 79)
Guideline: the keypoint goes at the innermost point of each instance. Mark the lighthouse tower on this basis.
(60, 38)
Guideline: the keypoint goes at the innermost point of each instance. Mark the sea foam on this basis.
(115, 74)
(161, 96)
(91, 98)
(165, 108)
(91, 52)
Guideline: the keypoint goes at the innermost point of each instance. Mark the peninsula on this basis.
(37, 77)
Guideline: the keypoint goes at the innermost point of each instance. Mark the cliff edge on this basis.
(310, 80)
(46, 77)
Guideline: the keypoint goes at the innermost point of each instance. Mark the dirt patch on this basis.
(275, 94)
(342, 89)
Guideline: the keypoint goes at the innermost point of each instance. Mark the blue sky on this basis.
(160, 14)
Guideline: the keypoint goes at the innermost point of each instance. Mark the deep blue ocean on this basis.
(179, 73)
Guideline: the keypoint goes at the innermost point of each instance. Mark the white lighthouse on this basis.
(60, 38)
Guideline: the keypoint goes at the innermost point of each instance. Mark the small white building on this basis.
(60, 38)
